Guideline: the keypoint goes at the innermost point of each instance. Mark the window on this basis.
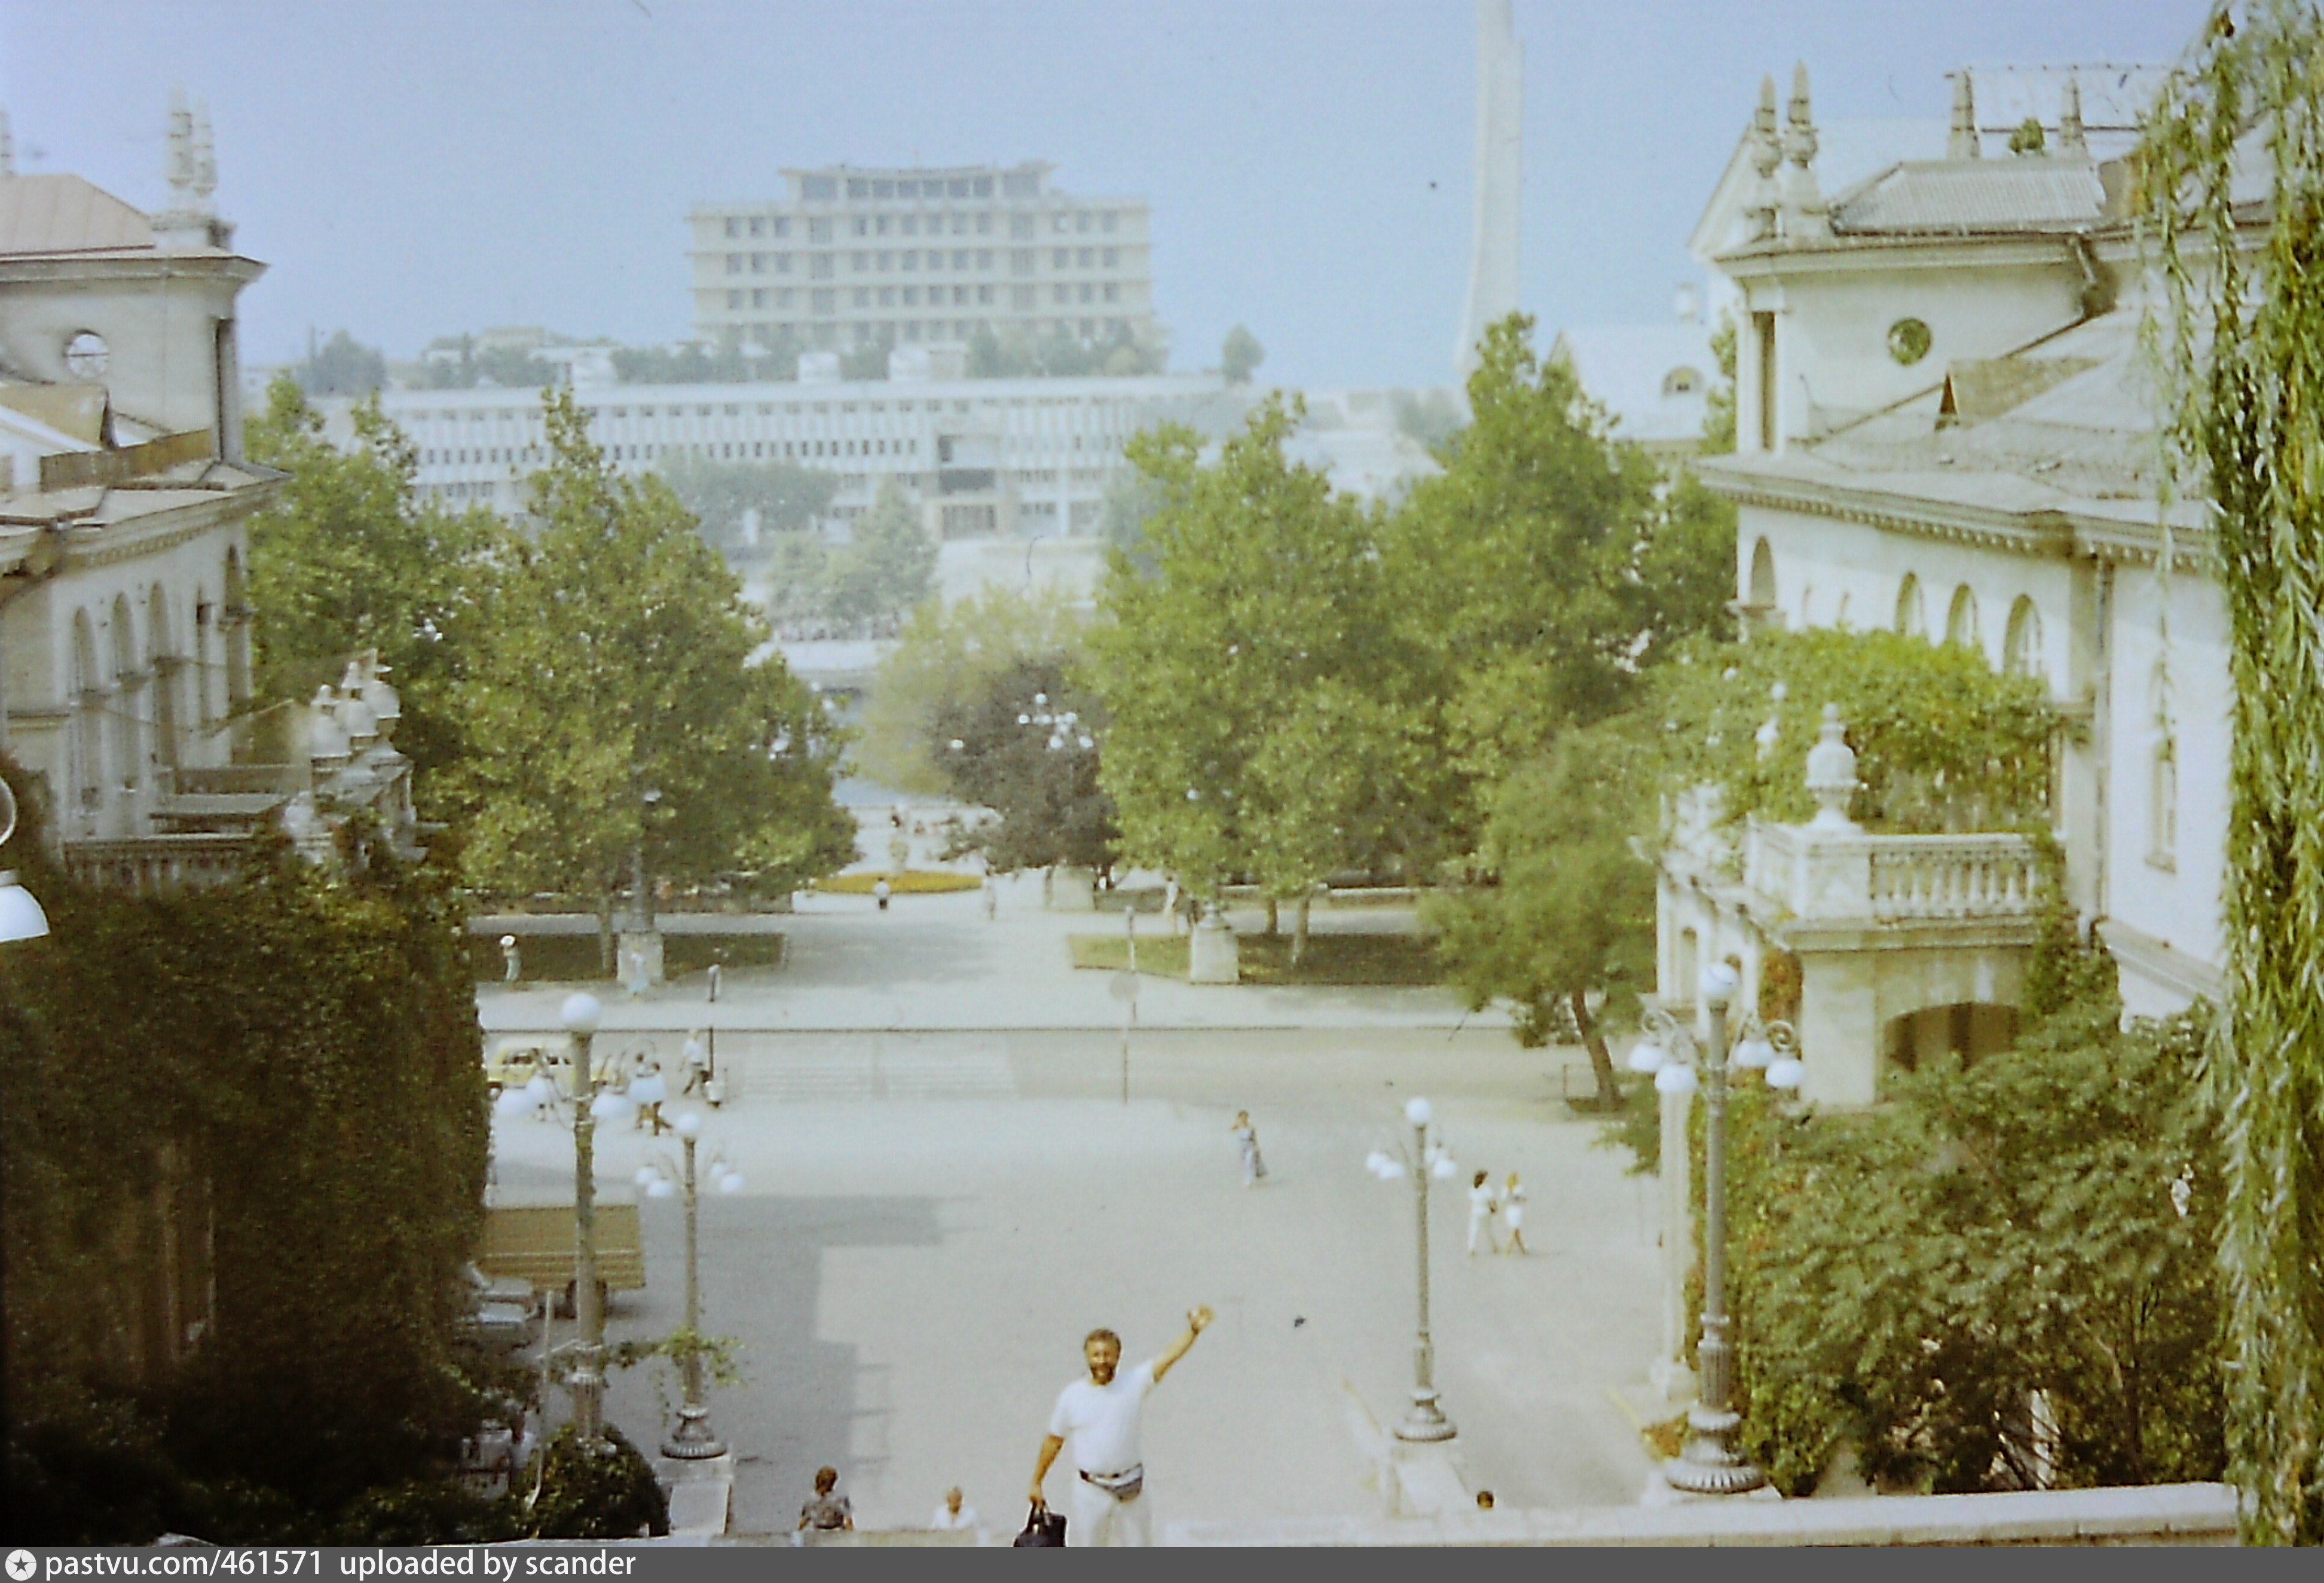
(1910, 620)
(911, 296)
(782, 264)
(759, 298)
(1061, 258)
(881, 226)
(1960, 621)
(959, 259)
(883, 190)
(1112, 258)
(984, 222)
(911, 258)
(783, 296)
(733, 228)
(1105, 221)
(1023, 297)
(1020, 261)
(733, 298)
(1763, 332)
(825, 300)
(819, 230)
(1087, 294)
(1681, 382)
(863, 224)
(758, 225)
(1064, 223)
(911, 224)
(982, 186)
(984, 293)
(1061, 293)
(1020, 228)
(1081, 221)
(1087, 258)
(960, 224)
(858, 188)
(1113, 292)
(957, 187)
(819, 265)
(758, 264)
(2162, 849)
(984, 258)
(863, 296)
(887, 296)
(2021, 644)
(734, 263)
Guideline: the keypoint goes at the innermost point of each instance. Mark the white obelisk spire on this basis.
(1500, 135)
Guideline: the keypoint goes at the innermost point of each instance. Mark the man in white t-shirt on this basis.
(1098, 1417)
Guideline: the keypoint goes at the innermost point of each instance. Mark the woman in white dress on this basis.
(1513, 1200)
(1482, 1202)
(1253, 1168)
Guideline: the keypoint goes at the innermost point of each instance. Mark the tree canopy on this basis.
(620, 661)
(1025, 744)
(349, 559)
(786, 496)
(947, 657)
(340, 367)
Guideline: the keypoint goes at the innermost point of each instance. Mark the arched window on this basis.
(1681, 381)
(87, 713)
(1911, 621)
(128, 699)
(205, 613)
(1840, 612)
(1763, 579)
(161, 659)
(1807, 605)
(1961, 620)
(2022, 645)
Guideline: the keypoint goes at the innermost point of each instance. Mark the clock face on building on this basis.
(1908, 341)
(86, 355)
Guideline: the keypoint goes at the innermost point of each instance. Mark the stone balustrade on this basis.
(153, 866)
(1813, 874)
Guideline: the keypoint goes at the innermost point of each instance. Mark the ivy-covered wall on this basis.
(245, 1136)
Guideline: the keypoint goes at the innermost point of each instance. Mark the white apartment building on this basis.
(981, 456)
(858, 256)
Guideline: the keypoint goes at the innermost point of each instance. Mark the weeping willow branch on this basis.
(2232, 191)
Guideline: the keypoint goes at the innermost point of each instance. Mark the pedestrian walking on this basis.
(691, 1057)
(991, 899)
(952, 1514)
(1481, 1202)
(880, 893)
(1513, 1201)
(1170, 902)
(1098, 1417)
(826, 1510)
(511, 968)
(1254, 1169)
(713, 976)
(633, 968)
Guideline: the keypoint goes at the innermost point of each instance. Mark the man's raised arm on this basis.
(1198, 1320)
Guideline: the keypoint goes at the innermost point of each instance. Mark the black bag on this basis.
(1043, 1528)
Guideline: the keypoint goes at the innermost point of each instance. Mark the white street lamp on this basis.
(1422, 1158)
(581, 1015)
(692, 1440)
(21, 917)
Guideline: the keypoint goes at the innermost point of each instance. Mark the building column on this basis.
(1840, 1027)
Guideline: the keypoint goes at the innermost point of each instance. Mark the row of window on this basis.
(823, 266)
(1022, 298)
(983, 223)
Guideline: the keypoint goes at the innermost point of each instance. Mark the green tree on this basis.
(798, 582)
(788, 497)
(348, 559)
(1718, 406)
(947, 657)
(2229, 175)
(1239, 356)
(619, 660)
(1538, 574)
(1567, 912)
(341, 366)
(887, 569)
(1252, 674)
(1025, 745)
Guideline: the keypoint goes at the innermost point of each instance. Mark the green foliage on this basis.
(693, 363)
(1011, 354)
(280, 1079)
(348, 559)
(1239, 356)
(2027, 136)
(2244, 116)
(503, 367)
(1718, 407)
(1570, 908)
(1538, 574)
(341, 366)
(1904, 1280)
(788, 498)
(887, 569)
(1941, 741)
(620, 658)
(868, 361)
(426, 1512)
(1253, 672)
(601, 1489)
(946, 656)
(1009, 746)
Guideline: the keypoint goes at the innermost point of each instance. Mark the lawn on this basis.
(1400, 960)
(571, 958)
(912, 881)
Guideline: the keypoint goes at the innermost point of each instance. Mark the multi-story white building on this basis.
(981, 456)
(1946, 429)
(856, 256)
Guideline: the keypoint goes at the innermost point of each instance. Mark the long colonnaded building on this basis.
(981, 456)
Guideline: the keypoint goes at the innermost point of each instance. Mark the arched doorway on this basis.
(1971, 1030)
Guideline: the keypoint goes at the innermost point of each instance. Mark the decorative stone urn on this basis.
(1831, 777)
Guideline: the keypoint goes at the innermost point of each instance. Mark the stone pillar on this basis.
(1211, 956)
(1840, 1027)
(1074, 889)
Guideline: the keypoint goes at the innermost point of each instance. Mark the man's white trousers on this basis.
(1097, 1518)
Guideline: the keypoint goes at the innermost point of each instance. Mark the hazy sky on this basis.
(420, 168)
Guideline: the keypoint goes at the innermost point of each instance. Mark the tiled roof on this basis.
(65, 214)
(1959, 196)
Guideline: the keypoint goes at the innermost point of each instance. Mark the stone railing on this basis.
(1813, 874)
(156, 865)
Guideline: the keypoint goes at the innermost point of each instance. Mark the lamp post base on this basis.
(1710, 1465)
(1426, 1424)
(692, 1440)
